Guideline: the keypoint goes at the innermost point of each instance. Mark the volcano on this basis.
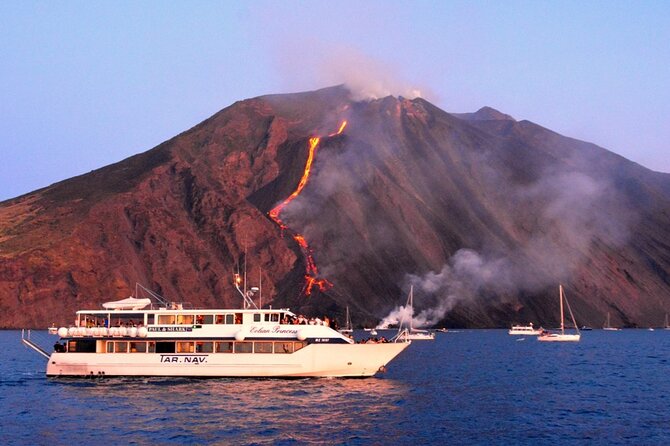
(483, 214)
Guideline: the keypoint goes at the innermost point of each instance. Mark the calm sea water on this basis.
(469, 387)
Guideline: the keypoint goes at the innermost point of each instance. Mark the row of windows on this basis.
(171, 347)
(175, 319)
(190, 319)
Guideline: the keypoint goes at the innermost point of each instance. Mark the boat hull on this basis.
(559, 338)
(315, 360)
(417, 335)
(523, 332)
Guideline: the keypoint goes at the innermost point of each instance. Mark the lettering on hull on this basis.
(170, 329)
(179, 359)
(273, 330)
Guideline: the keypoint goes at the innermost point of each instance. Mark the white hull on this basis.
(315, 360)
(555, 337)
(418, 336)
(524, 331)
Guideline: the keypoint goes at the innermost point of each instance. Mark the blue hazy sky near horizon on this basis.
(87, 84)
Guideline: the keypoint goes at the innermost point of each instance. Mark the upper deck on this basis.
(162, 323)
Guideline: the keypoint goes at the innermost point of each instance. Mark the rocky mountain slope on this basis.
(484, 215)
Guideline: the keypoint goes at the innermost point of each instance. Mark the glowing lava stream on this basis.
(311, 271)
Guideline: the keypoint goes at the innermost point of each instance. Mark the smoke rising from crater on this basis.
(319, 65)
(366, 77)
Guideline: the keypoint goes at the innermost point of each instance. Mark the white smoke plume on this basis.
(577, 210)
(458, 280)
(365, 77)
(312, 65)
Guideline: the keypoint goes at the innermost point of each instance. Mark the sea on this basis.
(467, 387)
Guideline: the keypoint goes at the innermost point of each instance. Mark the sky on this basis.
(84, 84)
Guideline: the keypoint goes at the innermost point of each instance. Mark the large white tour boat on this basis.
(131, 338)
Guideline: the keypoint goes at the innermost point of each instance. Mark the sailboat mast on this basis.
(560, 288)
(411, 305)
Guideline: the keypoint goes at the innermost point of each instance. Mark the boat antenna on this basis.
(245, 266)
(160, 299)
(247, 296)
(260, 287)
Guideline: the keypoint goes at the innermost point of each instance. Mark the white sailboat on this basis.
(562, 336)
(348, 327)
(608, 326)
(666, 326)
(412, 333)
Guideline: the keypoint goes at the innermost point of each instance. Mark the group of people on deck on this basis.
(375, 340)
(303, 320)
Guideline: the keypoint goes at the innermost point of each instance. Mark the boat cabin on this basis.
(164, 317)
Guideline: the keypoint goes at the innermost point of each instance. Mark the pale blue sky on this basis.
(84, 83)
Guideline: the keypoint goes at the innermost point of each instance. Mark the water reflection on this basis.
(236, 410)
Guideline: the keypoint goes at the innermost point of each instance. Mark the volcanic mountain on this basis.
(482, 214)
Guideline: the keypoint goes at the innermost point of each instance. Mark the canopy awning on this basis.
(129, 303)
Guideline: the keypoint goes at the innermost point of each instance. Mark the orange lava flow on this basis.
(274, 213)
(340, 130)
(311, 271)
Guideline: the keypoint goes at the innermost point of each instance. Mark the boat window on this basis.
(82, 346)
(283, 347)
(230, 319)
(110, 347)
(262, 347)
(224, 347)
(124, 320)
(164, 347)
(185, 347)
(238, 318)
(257, 317)
(137, 347)
(121, 347)
(204, 347)
(90, 321)
(243, 347)
(151, 347)
(298, 345)
(166, 319)
(150, 319)
(185, 319)
(205, 319)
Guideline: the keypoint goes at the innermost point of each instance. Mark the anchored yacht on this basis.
(527, 330)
